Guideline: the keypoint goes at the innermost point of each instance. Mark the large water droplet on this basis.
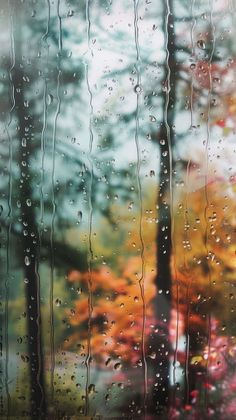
(58, 302)
(201, 44)
(91, 389)
(138, 89)
(27, 260)
(50, 99)
(117, 366)
(80, 216)
(152, 118)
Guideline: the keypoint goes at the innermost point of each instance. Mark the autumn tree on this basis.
(38, 82)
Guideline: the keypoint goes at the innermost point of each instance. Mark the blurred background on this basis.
(117, 204)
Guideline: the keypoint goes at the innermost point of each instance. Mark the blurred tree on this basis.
(192, 74)
(38, 82)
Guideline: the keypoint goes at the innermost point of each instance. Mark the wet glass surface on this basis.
(117, 209)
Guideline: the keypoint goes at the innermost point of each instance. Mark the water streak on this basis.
(207, 167)
(9, 215)
(59, 26)
(169, 144)
(52, 233)
(186, 221)
(90, 218)
(138, 167)
(41, 220)
(193, 55)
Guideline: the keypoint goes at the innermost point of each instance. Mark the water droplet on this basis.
(58, 302)
(27, 260)
(138, 89)
(25, 358)
(152, 118)
(50, 99)
(28, 202)
(80, 216)
(91, 389)
(108, 361)
(153, 355)
(117, 366)
(201, 44)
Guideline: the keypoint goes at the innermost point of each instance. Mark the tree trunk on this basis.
(160, 341)
(30, 247)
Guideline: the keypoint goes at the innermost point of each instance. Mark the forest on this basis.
(118, 210)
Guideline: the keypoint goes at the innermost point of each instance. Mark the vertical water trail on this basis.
(193, 24)
(9, 215)
(40, 364)
(90, 219)
(193, 20)
(42, 140)
(54, 209)
(138, 167)
(206, 175)
(186, 223)
(90, 248)
(43, 156)
(169, 143)
(59, 27)
(41, 219)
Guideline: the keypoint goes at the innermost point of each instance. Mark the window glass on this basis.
(117, 205)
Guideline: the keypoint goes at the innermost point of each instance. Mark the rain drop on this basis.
(138, 89)
(79, 216)
(152, 118)
(201, 44)
(58, 302)
(91, 389)
(117, 366)
(49, 99)
(27, 260)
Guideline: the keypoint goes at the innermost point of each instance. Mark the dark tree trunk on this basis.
(30, 247)
(160, 341)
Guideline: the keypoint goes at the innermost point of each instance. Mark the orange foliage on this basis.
(202, 248)
(117, 312)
